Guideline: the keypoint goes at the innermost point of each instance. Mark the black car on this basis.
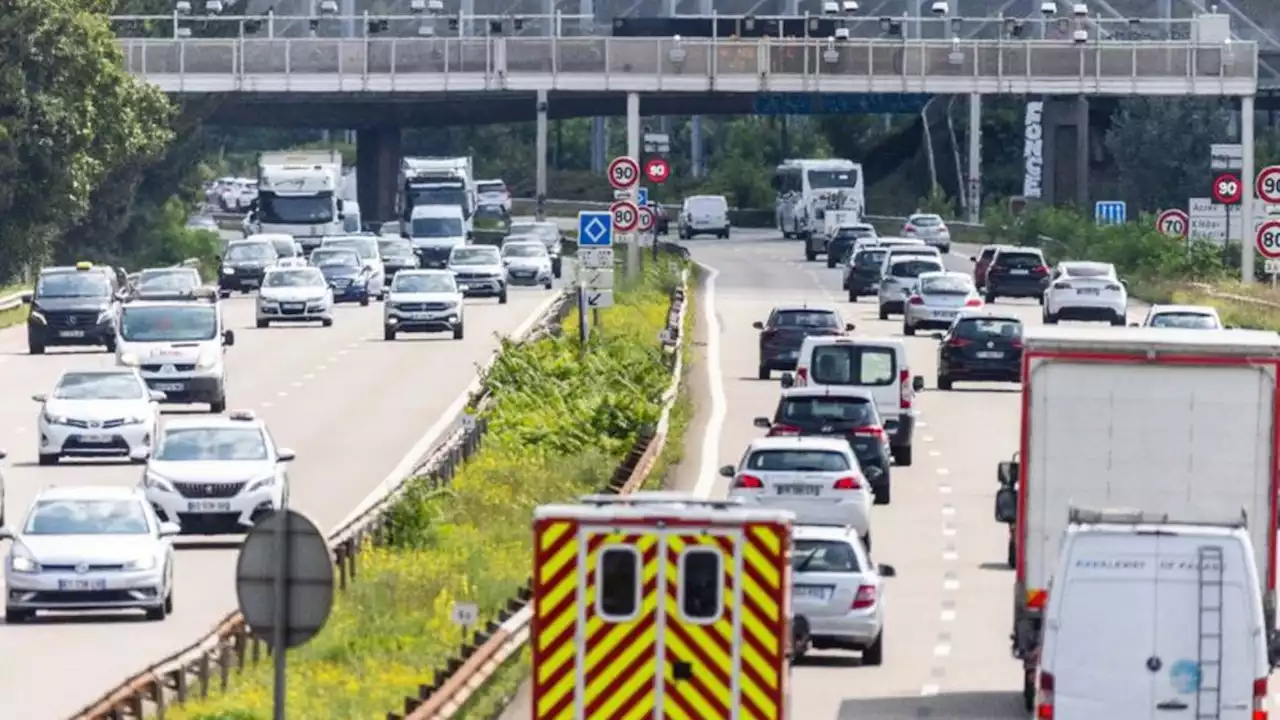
(73, 306)
(784, 333)
(1017, 272)
(842, 244)
(984, 347)
(843, 412)
(244, 264)
(397, 254)
(862, 272)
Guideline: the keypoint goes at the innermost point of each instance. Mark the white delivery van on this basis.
(1150, 619)
(876, 363)
(1167, 420)
(434, 231)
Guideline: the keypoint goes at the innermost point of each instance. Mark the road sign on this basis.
(598, 278)
(646, 240)
(657, 142)
(1268, 239)
(465, 614)
(1226, 189)
(598, 257)
(285, 541)
(646, 219)
(625, 215)
(599, 299)
(595, 229)
(642, 196)
(624, 173)
(1109, 212)
(1173, 223)
(1226, 156)
(1268, 184)
(657, 170)
(1271, 267)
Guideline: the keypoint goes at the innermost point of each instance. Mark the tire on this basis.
(1049, 318)
(989, 298)
(502, 299)
(944, 382)
(1041, 299)
(263, 324)
(364, 301)
(902, 456)
(884, 314)
(168, 603)
(1117, 321)
(14, 616)
(219, 405)
(157, 613)
(831, 262)
(110, 345)
(866, 542)
(457, 332)
(853, 296)
(1011, 556)
(555, 268)
(326, 322)
(873, 655)
(763, 372)
(224, 294)
(908, 330)
(809, 254)
(883, 492)
(49, 459)
(35, 349)
(1029, 689)
(388, 334)
(546, 285)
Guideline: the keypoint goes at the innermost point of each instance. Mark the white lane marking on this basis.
(929, 690)
(321, 367)
(343, 351)
(950, 555)
(944, 489)
(948, 530)
(950, 583)
(948, 510)
(943, 471)
(707, 474)
(444, 423)
(297, 384)
(309, 376)
(941, 650)
(928, 438)
(921, 424)
(282, 393)
(934, 453)
(947, 616)
(267, 403)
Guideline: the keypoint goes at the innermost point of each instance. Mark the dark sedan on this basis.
(1017, 272)
(785, 331)
(862, 273)
(661, 220)
(844, 241)
(983, 347)
(345, 273)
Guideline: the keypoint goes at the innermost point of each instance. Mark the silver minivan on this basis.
(704, 215)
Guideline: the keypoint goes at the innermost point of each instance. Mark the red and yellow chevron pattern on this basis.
(555, 616)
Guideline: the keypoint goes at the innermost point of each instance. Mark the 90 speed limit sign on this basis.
(1268, 184)
(1268, 240)
(626, 216)
(624, 173)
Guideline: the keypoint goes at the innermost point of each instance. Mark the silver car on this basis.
(89, 548)
(937, 299)
(527, 262)
(930, 228)
(294, 294)
(898, 277)
(837, 592)
(479, 271)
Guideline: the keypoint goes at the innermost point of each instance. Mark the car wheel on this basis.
(1048, 317)
(763, 372)
(902, 456)
(989, 298)
(13, 616)
(1011, 555)
(1118, 321)
(457, 332)
(110, 344)
(944, 382)
(555, 268)
(502, 299)
(809, 254)
(157, 613)
(49, 459)
(364, 301)
(546, 285)
(219, 405)
(873, 655)
(35, 349)
(224, 294)
(882, 493)
(1041, 299)
(884, 314)
(853, 296)
(263, 324)
(908, 330)
(168, 603)
(326, 322)
(388, 334)
(1029, 689)
(866, 542)
(831, 261)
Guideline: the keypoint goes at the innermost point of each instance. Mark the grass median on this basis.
(558, 426)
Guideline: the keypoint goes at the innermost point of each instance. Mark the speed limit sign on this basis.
(624, 173)
(1226, 189)
(1268, 240)
(646, 219)
(1268, 184)
(625, 215)
(1173, 223)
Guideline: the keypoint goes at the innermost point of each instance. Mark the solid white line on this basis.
(929, 690)
(715, 423)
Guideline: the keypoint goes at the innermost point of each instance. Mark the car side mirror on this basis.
(139, 454)
(762, 423)
(788, 380)
(917, 383)
(887, 571)
(1007, 472)
(727, 471)
(1007, 505)
(849, 327)
(229, 337)
(39, 397)
(1134, 325)
(757, 325)
(26, 298)
(285, 455)
(937, 336)
(169, 529)
(973, 259)
(159, 396)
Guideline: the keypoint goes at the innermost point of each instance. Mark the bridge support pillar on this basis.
(377, 167)
(695, 145)
(974, 190)
(1065, 123)
(540, 147)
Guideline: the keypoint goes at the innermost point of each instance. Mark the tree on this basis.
(1161, 148)
(69, 115)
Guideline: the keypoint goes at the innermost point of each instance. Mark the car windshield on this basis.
(1089, 271)
(798, 461)
(475, 256)
(335, 258)
(708, 204)
(521, 250)
(302, 277)
(198, 444)
(857, 232)
(87, 517)
(946, 285)
(394, 248)
(1188, 320)
(1019, 260)
(433, 283)
(168, 280)
(78, 284)
(285, 247)
(913, 268)
(853, 365)
(988, 328)
(485, 188)
(350, 222)
(364, 247)
(252, 251)
(169, 323)
(315, 209)
(805, 319)
(98, 386)
(436, 227)
(824, 556)
(925, 220)
(869, 258)
(859, 411)
(820, 179)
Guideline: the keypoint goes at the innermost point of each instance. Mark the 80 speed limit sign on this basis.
(625, 215)
(1268, 240)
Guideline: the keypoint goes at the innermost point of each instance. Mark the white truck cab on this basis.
(1151, 618)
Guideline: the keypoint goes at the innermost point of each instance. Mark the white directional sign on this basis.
(1208, 220)
(1271, 267)
(646, 239)
(624, 173)
(1226, 156)
(625, 215)
(599, 298)
(595, 258)
(598, 279)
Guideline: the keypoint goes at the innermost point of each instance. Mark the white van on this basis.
(704, 215)
(1150, 618)
(434, 231)
(876, 363)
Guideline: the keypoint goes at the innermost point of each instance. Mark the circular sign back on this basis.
(1173, 223)
(1227, 189)
(308, 581)
(1268, 239)
(624, 173)
(646, 219)
(1268, 184)
(625, 215)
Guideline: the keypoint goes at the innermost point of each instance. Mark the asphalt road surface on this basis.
(349, 403)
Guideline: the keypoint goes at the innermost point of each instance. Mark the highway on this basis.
(349, 403)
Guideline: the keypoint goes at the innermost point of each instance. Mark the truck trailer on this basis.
(299, 194)
(1156, 420)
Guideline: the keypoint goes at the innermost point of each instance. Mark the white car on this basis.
(479, 271)
(423, 301)
(1085, 291)
(107, 412)
(294, 294)
(89, 548)
(493, 193)
(704, 215)
(817, 478)
(1196, 317)
(898, 277)
(216, 475)
(527, 262)
(937, 299)
(837, 593)
(930, 228)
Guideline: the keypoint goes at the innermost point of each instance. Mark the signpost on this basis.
(595, 256)
(1226, 156)
(625, 214)
(657, 170)
(657, 143)
(642, 196)
(284, 586)
(646, 219)
(597, 299)
(1109, 212)
(1173, 223)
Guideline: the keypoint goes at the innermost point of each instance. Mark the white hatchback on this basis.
(837, 593)
(1194, 317)
(1085, 291)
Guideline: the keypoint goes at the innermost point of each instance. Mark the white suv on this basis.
(837, 593)
(1085, 291)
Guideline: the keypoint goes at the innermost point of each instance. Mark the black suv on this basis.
(785, 331)
(73, 306)
(985, 347)
(244, 264)
(1017, 272)
(843, 412)
(862, 273)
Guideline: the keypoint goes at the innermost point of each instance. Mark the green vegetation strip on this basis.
(558, 426)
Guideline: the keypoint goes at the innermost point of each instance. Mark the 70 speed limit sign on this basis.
(1268, 240)
(1173, 223)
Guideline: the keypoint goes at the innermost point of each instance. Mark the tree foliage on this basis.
(1161, 148)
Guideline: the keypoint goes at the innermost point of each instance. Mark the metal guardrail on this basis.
(648, 64)
(194, 670)
(14, 300)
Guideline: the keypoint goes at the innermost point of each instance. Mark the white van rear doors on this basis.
(877, 365)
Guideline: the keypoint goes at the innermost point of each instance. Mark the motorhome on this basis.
(805, 187)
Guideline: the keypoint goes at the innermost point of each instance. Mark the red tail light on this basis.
(865, 598)
(957, 342)
(973, 302)
(1044, 698)
(1042, 270)
(750, 482)
(916, 300)
(802, 376)
(942, 228)
(904, 380)
(783, 430)
(1260, 699)
(871, 431)
(1016, 343)
(847, 483)
(908, 228)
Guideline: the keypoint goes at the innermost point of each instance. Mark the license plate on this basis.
(812, 592)
(71, 333)
(989, 355)
(169, 387)
(797, 489)
(1019, 272)
(249, 282)
(1088, 291)
(208, 506)
(293, 306)
(944, 314)
(418, 315)
(82, 584)
(95, 438)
